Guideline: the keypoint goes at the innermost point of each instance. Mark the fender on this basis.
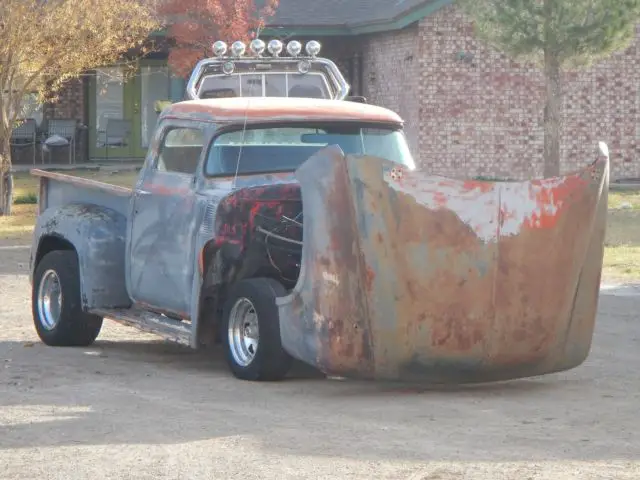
(415, 277)
(98, 235)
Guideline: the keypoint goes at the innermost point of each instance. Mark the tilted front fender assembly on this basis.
(408, 276)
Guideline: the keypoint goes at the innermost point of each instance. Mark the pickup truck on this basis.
(300, 228)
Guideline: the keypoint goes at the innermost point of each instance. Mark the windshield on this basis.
(271, 149)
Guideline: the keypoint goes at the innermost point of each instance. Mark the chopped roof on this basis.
(258, 109)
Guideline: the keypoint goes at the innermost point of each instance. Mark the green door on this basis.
(129, 103)
(113, 127)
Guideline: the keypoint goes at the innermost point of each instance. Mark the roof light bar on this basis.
(275, 48)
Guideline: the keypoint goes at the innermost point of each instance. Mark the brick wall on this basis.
(70, 102)
(482, 115)
(391, 76)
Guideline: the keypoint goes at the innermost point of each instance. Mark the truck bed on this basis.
(54, 191)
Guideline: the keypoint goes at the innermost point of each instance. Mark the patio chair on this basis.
(24, 135)
(117, 133)
(60, 133)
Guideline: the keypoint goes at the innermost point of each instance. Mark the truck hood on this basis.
(411, 276)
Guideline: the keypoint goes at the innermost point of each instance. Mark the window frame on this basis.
(162, 143)
(392, 126)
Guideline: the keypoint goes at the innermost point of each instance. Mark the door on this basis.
(164, 222)
(131, 102)
(154, 82)
(113, 111)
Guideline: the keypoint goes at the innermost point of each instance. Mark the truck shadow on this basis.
(177, 357)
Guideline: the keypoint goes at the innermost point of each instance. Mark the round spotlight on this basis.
(313, 48)
(257, 47)
(275, 47)
(294, 48)
(228, 68)
(238, 48)
(219, 48)
(304, 66)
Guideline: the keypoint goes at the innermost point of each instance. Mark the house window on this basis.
(30, 107)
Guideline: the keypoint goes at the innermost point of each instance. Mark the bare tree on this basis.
(44, 43)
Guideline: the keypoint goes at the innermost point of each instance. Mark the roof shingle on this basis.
(341, 13)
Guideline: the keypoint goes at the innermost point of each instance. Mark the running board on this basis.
(150, 322)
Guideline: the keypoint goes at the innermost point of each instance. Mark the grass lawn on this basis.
(19, 226)
(622, 249)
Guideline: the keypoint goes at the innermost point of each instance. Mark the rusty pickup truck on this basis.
(286, 227)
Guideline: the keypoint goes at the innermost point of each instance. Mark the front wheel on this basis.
(55, 303)
(251, 335)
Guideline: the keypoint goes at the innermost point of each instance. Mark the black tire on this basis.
(75, 328)
(270, 361)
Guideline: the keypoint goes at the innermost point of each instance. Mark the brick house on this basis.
(469, 111)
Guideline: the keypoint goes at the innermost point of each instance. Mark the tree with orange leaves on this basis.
(193, 26)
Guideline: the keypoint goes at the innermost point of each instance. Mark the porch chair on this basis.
(60, 133)
(24, 135)
(117, 133)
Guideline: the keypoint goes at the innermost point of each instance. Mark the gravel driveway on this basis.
(133, 407)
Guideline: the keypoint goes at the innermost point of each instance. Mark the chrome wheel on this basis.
(49, 300)
(243, 332)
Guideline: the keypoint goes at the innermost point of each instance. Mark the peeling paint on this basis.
(491, 209)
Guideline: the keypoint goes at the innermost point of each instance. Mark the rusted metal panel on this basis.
(418, 277)
(325, 320)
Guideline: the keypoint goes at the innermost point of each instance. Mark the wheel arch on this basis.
(222, 266)
(97, 236)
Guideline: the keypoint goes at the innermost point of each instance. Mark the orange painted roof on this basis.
(280, 108)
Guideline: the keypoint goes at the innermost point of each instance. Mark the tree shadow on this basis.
(156, 393)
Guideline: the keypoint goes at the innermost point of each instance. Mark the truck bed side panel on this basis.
(58, 189)
(94, 221)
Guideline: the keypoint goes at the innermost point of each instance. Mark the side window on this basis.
(180, 150)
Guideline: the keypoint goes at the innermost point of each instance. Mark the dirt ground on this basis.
(133, 407)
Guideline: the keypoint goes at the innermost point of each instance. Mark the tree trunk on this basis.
(6, 179)
(552, 115)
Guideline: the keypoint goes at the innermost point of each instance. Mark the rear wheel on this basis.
(55, 302)
(251, 331)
